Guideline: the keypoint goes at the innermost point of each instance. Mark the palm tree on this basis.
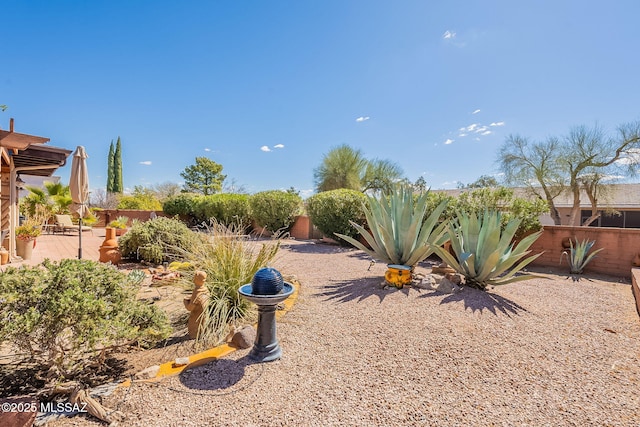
(54, 197)
(346, 167)
(342, 167)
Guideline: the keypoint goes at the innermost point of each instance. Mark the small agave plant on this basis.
(398, 233)
(485, 253)
(579, 255)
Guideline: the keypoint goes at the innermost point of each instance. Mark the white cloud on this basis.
(449, 35)
(448, 141)
(362, 119)
(497, 124)
(481, 129)
(476, 112)
(146, 162)
(471, 127)
(463, 135)
(265, 148)
(632, 158)
(485, 133)
(207, 149)
(278, 146)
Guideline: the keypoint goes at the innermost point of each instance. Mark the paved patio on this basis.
(61, 246)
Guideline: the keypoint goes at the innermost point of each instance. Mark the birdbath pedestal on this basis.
(266, 347)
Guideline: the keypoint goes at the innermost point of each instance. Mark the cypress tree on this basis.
(118, 186)
(110, 169)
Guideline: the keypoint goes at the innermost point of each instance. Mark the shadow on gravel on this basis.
(225, 375)
(480, 300)
(358, 289)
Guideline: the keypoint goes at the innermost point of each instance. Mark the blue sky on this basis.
(267, 88)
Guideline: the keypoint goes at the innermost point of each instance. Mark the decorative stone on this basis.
(196, 303)
(267, 281)
(427, 282)
(454, 278)
(180, 361)
(443, 268)
(244, 338)
(447, 287)
(147, 373)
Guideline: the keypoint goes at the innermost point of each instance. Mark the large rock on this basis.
(244, 338)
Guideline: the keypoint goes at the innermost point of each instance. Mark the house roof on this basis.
(619, 196)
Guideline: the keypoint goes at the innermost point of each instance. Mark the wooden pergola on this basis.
(22, 153)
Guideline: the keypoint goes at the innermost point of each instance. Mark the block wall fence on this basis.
(621, 246)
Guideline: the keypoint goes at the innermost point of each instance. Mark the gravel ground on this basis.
(535, 353)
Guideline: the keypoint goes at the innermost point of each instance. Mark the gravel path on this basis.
(537, 353)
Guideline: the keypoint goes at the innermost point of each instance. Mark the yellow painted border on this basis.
(169, 368)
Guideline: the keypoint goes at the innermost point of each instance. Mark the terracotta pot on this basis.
(24, 248)
(4, 256)
(109, 251)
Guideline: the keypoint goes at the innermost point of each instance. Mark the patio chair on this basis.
(64, 224)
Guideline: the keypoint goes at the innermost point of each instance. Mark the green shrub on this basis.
(226, 208)
(58, 312)
(331, 211)
(275, 210)
(181, 204)
(158, 240)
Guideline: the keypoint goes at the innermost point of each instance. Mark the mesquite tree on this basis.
(581, 160)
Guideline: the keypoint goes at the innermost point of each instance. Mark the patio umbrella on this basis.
(79, 188)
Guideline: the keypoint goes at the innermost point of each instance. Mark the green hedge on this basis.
(275, 210)
(331, 211)
(227, 208)
(181, 205)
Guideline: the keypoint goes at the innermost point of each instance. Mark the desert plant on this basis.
(59, 311)
(579, 255)
(161, 239)
(333, 211)
(229, 262)
(29, 230)
(398, 232)
(484, 252)
(120, 222)
(275, 210)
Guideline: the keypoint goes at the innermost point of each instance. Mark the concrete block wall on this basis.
(621, 245)
(108, 215)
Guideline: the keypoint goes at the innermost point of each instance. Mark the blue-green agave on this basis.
(484, 253)
(398, 232)
(578, 258)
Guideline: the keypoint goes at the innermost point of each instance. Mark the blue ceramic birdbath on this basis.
(274, 290)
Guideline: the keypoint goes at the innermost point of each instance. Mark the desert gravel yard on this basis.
(544, 352)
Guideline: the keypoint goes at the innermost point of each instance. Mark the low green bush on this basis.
(275, 210)
(181, 204)
(331, 211)
(226, 208)
(158, 240)
(64, 313)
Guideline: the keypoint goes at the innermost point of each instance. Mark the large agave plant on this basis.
(484, 252)
(578, 258)
(398, 232)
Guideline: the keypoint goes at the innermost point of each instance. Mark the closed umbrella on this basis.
(79, 188)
